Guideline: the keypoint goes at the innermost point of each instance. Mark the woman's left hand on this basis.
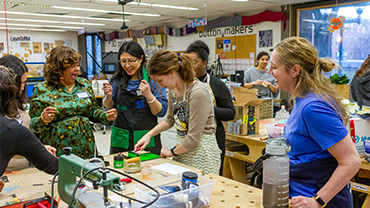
(266, 83)
(51, 150)
(144, 87)
(304, 202)
(165, 152)
(111, 114)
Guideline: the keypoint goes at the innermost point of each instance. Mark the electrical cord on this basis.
(79, 181)
(52, 189)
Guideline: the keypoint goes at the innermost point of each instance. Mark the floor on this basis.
(103, 140)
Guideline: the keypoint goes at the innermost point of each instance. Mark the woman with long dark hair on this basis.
(138, 100)
(360, 85)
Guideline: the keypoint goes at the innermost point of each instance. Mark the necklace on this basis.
(71, 88)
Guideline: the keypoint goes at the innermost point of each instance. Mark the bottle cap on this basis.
(189, 175)
(118, 157)
(276, 147)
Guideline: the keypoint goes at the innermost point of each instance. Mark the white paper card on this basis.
(170, 168)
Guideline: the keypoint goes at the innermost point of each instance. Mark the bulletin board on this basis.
(33, 50)
(236, 52)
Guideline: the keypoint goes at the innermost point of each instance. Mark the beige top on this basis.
(25, 117)
(201, 115)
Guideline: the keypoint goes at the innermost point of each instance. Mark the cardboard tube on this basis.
(133, 160)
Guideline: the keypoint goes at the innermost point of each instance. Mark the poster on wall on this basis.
(47, 47)
(24, 44)
(265, 38)
(59, 43)
(227, 45)
(220, 44)
(37, 48)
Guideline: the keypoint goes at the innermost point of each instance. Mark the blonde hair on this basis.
(298, 51)
(164, 62)
(364, 68)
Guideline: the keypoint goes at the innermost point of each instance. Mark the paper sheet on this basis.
(170, 168)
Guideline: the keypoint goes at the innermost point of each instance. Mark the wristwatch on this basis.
(173, 152)
(252, 83)
(319, 200)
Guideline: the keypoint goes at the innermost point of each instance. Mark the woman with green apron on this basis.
(138, 100)
(190, 111)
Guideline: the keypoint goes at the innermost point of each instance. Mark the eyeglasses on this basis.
(129, 62)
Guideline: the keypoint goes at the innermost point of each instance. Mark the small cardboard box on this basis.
(244, 95)
(359, 133)
(247, 116)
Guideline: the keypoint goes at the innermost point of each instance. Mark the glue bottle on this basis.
(275, 185)
(118, 161)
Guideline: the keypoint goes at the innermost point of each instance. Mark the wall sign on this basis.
(336, 23)
(20, 38)
(227, 31)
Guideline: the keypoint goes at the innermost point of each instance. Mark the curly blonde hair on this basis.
(60, 59)
(298, 51)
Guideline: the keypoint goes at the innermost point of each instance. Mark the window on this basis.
(349, 53)
(93, 54)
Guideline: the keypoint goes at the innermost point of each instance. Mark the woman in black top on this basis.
(16, 139)
(223, 105)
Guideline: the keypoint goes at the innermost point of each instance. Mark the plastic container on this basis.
(275, 185)
(196, 197)
(275, 130)
(282, 115)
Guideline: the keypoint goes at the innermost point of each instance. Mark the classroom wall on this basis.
(69, 38)
(180, 43)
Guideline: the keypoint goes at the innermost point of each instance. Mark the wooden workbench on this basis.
(31, 184)
(234, 161)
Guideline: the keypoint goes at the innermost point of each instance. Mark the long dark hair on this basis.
(19, 68)
(8, 93)
(134, 49)
(259, 56)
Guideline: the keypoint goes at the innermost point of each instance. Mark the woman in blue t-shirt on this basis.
(323, 157)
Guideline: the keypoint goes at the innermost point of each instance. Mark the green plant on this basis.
(336, 79)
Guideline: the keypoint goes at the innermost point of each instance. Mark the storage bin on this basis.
(195, 197)
(274, 130)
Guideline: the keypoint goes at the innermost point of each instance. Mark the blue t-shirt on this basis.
(312, 128)
(159, 93)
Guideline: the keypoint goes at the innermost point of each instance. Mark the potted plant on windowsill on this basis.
(341, 84)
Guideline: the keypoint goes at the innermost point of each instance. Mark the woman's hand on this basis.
(257, 82)
(304, 202)
(51, 150)
(48, 114)
(2, 184)
(165, 152)
(142, 143)
(111, 114)
(266, 83)
(107, 88)
(144, 87)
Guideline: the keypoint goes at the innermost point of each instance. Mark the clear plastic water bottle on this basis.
(282, 115)
(275, 185)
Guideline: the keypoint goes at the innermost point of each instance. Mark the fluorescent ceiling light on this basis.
(240, 0)
(49, 30)
(49, 21)
(63, 16)
(105, 11)
(156, 5)
(28, 25)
